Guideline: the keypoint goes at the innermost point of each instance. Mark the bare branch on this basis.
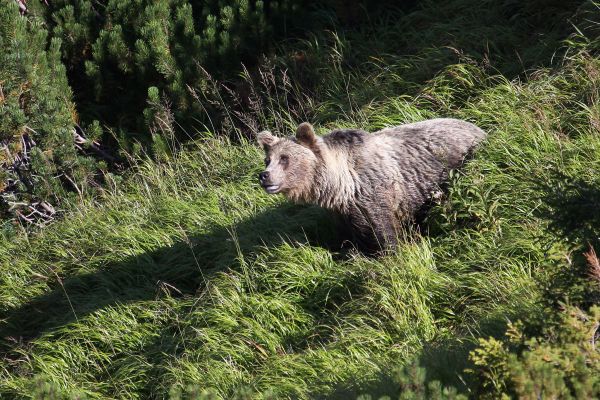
(92, 145)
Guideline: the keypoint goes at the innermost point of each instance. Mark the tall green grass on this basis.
(186, 275)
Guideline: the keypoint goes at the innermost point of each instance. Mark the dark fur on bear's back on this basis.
(345, 137)
(375, 181)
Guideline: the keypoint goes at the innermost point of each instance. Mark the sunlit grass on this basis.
(187, 275)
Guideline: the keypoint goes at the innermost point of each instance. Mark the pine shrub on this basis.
(562, 362)
(39, 165)
(116, 50)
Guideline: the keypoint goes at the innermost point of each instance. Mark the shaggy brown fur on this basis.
(375, 181)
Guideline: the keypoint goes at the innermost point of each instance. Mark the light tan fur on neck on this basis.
(335, 180)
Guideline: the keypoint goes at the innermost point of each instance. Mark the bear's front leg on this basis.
(374, 228)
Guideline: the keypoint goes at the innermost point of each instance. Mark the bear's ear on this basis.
(305, 134)
(266, 139)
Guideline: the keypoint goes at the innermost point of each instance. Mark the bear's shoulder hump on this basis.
(345, 137)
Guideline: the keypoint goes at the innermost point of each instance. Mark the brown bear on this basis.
(375, 181)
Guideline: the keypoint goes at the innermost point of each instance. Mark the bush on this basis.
(562, 363)
(40, 165)
(118, 50)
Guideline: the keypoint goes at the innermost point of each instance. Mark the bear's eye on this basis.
(284, 159)
(267, 161)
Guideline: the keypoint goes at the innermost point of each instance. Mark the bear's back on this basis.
(409, 162)
(448, 140)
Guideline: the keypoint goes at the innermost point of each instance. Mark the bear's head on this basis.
(291, 163)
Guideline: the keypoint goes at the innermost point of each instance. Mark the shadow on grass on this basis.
(573, 209)
(443, 360)
(177, 270)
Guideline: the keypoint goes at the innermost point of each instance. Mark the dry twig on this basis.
(594, 264)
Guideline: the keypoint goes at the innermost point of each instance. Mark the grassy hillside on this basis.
(184, 275)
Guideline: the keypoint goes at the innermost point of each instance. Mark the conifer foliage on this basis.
(116, 51)
(39, 164)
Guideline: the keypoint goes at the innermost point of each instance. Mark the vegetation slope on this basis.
(184, 276)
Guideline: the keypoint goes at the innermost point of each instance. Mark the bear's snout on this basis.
(263, 177)
(265, 182)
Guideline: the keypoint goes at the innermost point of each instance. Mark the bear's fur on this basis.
(374, 181)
